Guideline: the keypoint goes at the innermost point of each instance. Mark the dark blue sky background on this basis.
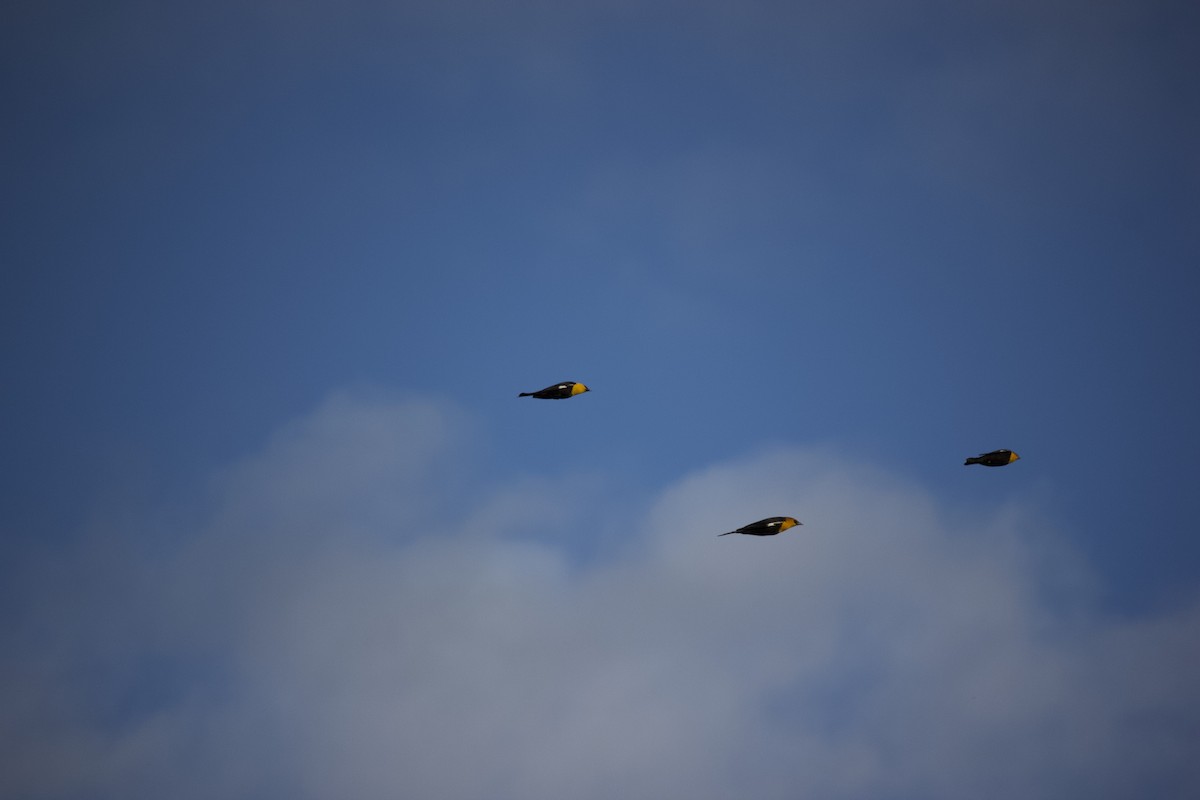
(916, 232)
(904, 233)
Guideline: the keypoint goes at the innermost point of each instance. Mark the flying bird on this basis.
(559, 391)
(766, 527)
(996, 458)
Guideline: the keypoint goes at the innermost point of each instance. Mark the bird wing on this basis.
(763, 525)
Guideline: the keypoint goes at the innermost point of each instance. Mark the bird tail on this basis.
(525, 394)
(973, 461)
(726, 534)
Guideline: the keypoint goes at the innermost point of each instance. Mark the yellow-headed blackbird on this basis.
(766, 527)
(559, 391)
(996, 458)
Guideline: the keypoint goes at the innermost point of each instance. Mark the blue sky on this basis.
(275, 274)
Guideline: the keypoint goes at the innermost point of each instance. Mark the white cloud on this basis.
(339, 627)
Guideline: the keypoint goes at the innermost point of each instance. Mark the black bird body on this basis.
(559, 391)
(996, 458)
(766, 527)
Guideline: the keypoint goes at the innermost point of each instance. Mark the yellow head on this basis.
(788, 522)
(579, 388)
